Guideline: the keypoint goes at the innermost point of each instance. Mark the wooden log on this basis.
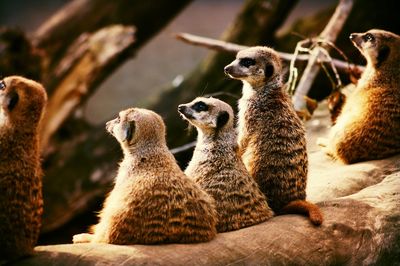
(360, 229)
(56, 34)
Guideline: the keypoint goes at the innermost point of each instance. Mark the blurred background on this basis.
(45, 40)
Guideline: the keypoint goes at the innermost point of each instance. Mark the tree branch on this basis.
(329, 34)
(223, 46)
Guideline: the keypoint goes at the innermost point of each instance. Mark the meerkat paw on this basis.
(82, 238)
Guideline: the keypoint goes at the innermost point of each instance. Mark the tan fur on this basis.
(219, 170)
(22, 102)
(271, 136)
(152, 200)
(368, 126)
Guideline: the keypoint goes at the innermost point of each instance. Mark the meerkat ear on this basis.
(268, 71)
(127, 131)
(383, 54)
(12, 100)
(222, 119)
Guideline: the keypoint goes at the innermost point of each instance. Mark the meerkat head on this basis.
(207, 114)
(136, 126)
(378, 46)
(258, 66)
(22, 102)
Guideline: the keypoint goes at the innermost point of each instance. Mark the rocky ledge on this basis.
(360, 202)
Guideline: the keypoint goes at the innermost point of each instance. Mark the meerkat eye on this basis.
(13, 99)
(200, 107)
(247, 62)
(368, 37)
(2, 85)
(118, 119)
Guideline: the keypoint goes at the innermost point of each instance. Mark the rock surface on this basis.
(360, 202)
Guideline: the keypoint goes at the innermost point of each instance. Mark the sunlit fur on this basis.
(152, 200)
(369, 124)
(219, 170)
(21, 201)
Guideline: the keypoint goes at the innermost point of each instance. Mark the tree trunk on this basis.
(57, 34)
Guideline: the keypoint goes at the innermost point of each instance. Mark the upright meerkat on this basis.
(152, 200)
(219, 170)
(368, 126)
(271, 135)
(22, 102)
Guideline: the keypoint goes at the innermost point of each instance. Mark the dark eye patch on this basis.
(247, 62)
(368, 37)
(200, 106)
(13, 99)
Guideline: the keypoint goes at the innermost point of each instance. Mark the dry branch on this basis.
(223, 46)
(86, 64)
(329, 34)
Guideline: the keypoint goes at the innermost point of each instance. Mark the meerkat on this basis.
(368, 126)
(22, 102)
(218, 169)
(152, 200)
(271, 137)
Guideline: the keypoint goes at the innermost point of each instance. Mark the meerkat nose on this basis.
(227, 69)
(181, 108)
(108, 125)
(352, 36)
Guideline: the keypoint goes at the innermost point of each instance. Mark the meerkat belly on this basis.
(353, 114)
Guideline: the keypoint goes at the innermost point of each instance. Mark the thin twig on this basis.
(329, 34)
(183, 148)
(224, 93)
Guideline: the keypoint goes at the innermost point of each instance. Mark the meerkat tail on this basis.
(304, 207)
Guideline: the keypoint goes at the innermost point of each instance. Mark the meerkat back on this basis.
(218, 169)
(21, 106)
(368, 126)
(152, 200)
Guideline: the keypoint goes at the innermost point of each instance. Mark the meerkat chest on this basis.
(355, 106)
(3, 118)
(243, 115)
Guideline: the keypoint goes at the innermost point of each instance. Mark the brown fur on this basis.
(271, 136)
(368, 127)
(22, 102)
(152, 201)
(219, 170)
